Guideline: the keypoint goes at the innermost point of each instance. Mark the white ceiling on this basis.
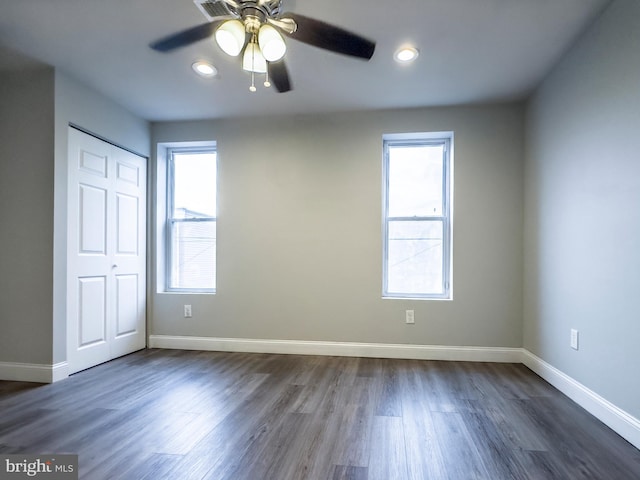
(471, 51)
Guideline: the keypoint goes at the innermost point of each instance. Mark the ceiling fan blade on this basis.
(187, 37)
(279, 76)
(323, 35)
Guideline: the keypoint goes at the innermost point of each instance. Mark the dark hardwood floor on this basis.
(163, 414)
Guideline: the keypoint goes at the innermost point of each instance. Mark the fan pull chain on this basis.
(267, 83)
(253, 42)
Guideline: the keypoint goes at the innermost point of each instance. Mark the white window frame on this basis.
(409, 139)
(171, 152)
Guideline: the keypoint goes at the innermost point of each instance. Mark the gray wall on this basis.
(36, 107)
(299, 232)
(26, 215)
(582, 231)
(76, 103)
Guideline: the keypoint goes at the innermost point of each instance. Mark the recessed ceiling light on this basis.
(204, 69)
(406, 54)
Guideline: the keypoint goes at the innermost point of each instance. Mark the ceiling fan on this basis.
(255, 27)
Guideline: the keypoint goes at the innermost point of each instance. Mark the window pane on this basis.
(193, 252)
(415, 180)
(194, 176)
(414, 261)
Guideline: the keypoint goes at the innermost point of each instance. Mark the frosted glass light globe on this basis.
(230, 37)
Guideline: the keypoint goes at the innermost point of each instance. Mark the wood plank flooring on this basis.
(166, 414)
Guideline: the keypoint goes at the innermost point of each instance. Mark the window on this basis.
(417, 216)
(191, 219)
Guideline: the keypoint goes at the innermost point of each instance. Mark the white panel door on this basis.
(106, 252)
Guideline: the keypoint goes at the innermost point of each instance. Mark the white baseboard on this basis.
(624, 424)
(29, 372)
(59, 371)
(342, 349)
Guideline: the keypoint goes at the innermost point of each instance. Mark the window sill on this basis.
(187, 292)
(401, 297)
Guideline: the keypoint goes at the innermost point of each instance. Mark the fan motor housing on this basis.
(212, 9)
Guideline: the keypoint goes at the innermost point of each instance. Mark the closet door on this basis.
(106, 254)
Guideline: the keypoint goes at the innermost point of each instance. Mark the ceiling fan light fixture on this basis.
(271, 43)
(406, 54)
(230, 37)
(253, 60)
(256, 29)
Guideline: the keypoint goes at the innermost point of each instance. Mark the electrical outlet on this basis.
(409, 316)
(187, 311)
(574, 339)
